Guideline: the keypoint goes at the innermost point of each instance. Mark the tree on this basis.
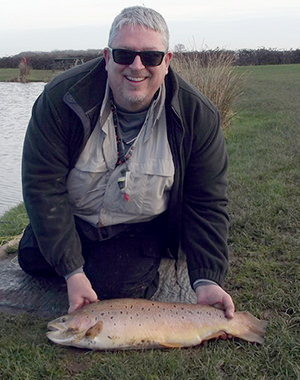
(179, 48)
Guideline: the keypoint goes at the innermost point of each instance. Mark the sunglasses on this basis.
(148, 58)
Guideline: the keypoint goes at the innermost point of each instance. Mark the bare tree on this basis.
(24, 70)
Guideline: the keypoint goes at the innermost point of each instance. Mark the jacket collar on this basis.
(172, 87)
(89, 91)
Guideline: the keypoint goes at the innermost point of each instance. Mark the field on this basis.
(7, 75)
(264, 277)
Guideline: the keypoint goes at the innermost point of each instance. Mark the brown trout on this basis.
(140, 324)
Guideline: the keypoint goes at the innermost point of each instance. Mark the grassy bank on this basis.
(9, 75)
(264, 192)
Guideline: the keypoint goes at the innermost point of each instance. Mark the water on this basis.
(16, 101)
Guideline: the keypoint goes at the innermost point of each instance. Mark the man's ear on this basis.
(107, 55)
(167, 59)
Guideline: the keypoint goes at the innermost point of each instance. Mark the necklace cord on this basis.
(122, 157)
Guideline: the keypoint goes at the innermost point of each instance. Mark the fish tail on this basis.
(249, 328)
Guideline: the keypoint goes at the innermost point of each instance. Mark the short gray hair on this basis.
(142, 16)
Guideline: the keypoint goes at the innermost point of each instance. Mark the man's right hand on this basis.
(80, 292)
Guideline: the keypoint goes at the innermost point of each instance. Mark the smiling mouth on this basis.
(135, 79)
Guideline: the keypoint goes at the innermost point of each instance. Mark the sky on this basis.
(39, 25)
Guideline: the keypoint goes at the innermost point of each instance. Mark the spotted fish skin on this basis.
(140, 324)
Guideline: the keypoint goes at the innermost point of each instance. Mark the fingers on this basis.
(218, 306)
(74, 307)
(80, 292)
(228, 306)
(216, 296)
(78, 305)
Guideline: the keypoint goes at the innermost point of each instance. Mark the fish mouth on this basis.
(52, 326)
(58, 334)
(62, 337)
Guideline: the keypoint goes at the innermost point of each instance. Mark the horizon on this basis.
(66, 50)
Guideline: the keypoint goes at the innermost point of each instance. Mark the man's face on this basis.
(134, 85)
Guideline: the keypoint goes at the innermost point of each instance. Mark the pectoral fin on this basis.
(216, 335)
(95, 330)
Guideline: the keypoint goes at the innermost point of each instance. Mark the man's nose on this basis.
(137, 63)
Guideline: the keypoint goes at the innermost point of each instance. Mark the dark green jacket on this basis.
(62, 120)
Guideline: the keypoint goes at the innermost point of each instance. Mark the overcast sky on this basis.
(39, 25)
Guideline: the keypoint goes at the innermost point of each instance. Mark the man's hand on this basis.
(80, 292)
(214, 295)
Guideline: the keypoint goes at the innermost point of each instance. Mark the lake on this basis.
(16, 101)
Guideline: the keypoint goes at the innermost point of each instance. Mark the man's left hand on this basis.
(215, 296)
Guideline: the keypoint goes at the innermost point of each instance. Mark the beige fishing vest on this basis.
(93, 187)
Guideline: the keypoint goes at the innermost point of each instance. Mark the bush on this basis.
(214, 75)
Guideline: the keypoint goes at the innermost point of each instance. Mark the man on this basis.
(124, 163)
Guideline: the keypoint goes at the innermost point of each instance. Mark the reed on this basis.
(214, 74)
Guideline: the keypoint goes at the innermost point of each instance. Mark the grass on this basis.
(12, 223)
(264, 150)
(8, 75)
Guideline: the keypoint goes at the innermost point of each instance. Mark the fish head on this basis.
(69, 329)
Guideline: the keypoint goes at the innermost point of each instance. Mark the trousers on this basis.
(123, 265)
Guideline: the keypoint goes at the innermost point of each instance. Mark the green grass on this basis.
(264, 192)
(12, 223)
(8, 75)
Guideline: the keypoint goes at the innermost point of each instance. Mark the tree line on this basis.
(63, 59)
(244, 57)
(54, 60)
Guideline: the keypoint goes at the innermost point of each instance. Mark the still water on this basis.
(16, 101)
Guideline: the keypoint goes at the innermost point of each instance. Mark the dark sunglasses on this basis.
(148, 58)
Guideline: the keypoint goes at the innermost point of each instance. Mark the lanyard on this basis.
(122, 157)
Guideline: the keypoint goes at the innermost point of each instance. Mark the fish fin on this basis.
(252, 329)
(171, 345)
(95, 330)
(216, 335)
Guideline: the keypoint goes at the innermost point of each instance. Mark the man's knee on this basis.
(117, 284)
(30, 257)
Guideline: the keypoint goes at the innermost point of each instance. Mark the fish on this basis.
(123, 324)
